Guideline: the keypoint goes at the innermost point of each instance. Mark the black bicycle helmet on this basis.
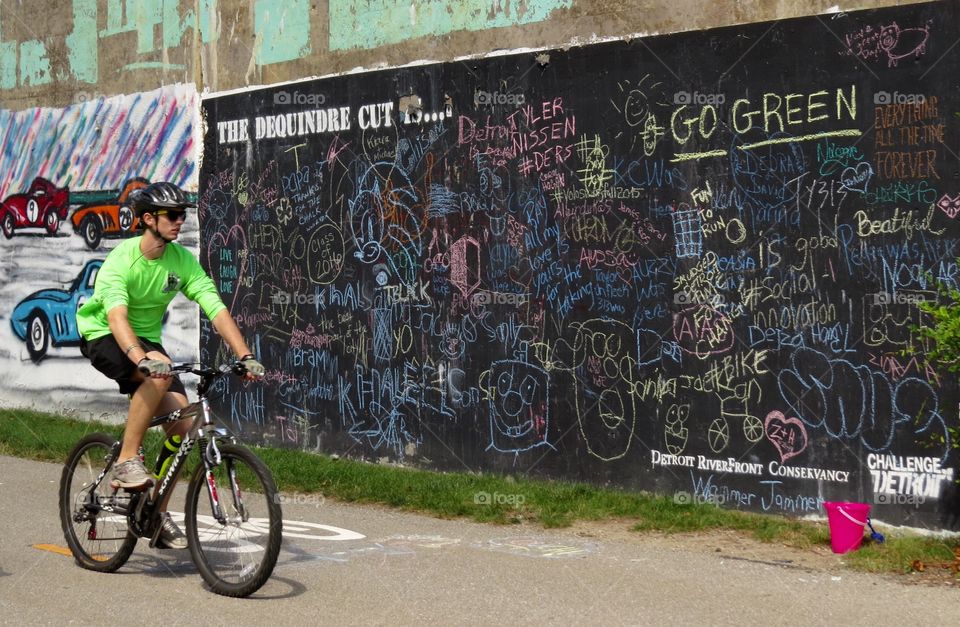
(156, 196)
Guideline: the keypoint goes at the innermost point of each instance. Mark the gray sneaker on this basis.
(170, 535)
(131, 475)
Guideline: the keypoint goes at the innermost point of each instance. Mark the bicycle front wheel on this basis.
(236, 552)
(93, 515)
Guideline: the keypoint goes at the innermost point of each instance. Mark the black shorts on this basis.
(107, 357)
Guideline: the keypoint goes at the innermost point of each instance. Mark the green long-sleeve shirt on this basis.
(146, 287)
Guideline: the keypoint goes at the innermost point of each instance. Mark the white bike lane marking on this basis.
(291, 528)
(240, 538)
(248, 536)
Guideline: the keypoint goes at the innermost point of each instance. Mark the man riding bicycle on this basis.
(120, 328)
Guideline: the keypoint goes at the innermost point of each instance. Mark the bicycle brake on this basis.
(211, 452)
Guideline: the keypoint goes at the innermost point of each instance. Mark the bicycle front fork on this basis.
(211, 459)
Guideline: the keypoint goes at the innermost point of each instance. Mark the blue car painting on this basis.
(49, 317)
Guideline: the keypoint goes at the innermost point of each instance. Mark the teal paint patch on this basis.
(153, 65)
(374, 23)
(8, 64)
(282, 28)
(174, 26)
(34, 64)
(82, 51)
(141, 17)
(208, 9)
(114, 15)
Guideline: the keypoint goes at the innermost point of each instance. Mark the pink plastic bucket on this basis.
(847, 522)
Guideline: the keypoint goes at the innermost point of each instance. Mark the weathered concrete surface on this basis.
(57, 52)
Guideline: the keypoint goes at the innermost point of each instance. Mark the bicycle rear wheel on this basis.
(99, 539)
(235, 557)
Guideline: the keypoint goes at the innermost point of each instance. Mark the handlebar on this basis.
(235, 367)
(206, 373)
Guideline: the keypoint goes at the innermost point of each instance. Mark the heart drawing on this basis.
(856, 179)
(788, 435)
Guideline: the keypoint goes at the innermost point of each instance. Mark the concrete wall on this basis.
(608, 263)
(60, 60)
(59, 52)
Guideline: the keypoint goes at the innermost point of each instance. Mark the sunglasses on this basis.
(173, 214)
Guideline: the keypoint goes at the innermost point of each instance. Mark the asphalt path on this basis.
(349, 564)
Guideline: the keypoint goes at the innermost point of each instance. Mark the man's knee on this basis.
(155, 386)
(159, 383)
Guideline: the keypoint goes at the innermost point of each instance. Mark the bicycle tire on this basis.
(99, 541)
(224, 554)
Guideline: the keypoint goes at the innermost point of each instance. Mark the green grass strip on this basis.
(487, 498)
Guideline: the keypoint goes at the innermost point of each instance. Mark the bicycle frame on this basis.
(142, 514)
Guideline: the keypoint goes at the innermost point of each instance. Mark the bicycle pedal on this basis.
(117, 486)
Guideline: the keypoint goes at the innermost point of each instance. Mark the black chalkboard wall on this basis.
(686, 264)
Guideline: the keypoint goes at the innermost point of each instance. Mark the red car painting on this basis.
(43, 206)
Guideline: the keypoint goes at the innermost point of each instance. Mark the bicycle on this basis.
(234, 552)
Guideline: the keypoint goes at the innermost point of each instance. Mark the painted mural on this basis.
(65, 175)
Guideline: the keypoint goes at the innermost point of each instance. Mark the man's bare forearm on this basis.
(124, 335)
(224, 324)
